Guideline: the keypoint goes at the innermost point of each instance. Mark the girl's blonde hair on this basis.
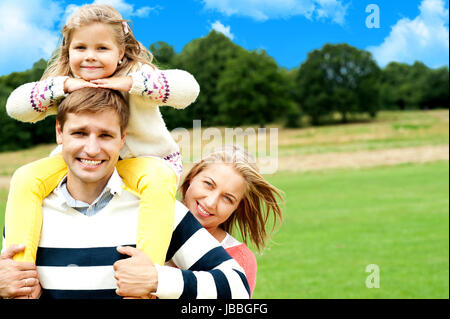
(260, 197)
(135, 52)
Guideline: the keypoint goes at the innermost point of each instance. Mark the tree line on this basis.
(241, 87)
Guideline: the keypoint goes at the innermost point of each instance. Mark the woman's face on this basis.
(214, 194)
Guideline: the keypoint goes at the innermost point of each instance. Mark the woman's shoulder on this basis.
(237, 249)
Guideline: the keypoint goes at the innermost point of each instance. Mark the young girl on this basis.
(99, 50)
(226, 192)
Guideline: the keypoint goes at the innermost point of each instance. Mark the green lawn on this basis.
(338, 222)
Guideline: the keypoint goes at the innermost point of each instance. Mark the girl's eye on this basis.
(79, 47)
(207, 183)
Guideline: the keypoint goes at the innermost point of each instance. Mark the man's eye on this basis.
(78, 133)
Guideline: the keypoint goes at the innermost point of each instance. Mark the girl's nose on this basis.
(90, 55)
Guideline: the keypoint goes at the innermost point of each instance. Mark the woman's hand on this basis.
(136, 276)
(73, 84)
(122, 83)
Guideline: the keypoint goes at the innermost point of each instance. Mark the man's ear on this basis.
(58, 133)
(124, 134)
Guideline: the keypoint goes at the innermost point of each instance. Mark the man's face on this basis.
(91, 144)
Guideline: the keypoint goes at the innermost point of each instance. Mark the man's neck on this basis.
(85, 192)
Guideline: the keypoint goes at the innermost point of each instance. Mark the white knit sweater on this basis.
(147, 134)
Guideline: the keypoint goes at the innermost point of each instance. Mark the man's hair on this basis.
(94, 100)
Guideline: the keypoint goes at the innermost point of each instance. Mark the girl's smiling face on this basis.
(214, 194)
(93, 52)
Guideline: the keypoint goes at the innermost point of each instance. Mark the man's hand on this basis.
(116, 83)
(17, 279)
(136, 276)
(73, 84)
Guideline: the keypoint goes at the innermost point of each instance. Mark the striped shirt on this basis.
(76, 253)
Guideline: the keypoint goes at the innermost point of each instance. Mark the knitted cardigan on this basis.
(147, 134)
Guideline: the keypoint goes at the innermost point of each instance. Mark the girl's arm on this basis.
(176, 88)
(32, 102)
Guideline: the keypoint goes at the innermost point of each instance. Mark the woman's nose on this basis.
(211, 201)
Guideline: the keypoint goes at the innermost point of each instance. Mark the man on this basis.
(81, 255)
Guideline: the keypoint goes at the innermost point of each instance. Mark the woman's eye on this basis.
(229, 199)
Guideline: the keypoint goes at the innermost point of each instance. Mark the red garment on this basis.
(245, 257)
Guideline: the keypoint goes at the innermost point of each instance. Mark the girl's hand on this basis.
(116, 83)
(73, 84)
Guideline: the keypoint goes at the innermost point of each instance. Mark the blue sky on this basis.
(287, 29)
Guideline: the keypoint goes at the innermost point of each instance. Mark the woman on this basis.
(226, 193)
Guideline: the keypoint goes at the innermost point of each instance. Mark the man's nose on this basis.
(92, 146)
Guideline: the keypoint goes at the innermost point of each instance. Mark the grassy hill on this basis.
(356, 194)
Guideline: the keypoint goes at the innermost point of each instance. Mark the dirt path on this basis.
(364, 158)
(359, 159)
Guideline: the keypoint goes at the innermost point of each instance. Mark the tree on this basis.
(414, 86)
(163, 54)
(436, 93)
(251, 90)
(16, 135)
(338, 78)
(205, 58)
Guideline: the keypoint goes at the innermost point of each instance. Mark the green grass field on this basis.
(337, 223)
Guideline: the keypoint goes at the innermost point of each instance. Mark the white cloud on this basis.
(269, 9)
(30, 29)
(226, 30)
(425, 38)
(127, 10)
(27, 35)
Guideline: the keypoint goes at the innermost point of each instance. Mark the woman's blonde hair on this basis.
(260, 197)
(135, 52)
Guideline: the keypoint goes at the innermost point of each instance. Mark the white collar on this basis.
(115, 186)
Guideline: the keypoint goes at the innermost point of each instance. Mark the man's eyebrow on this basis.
(77, 128)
